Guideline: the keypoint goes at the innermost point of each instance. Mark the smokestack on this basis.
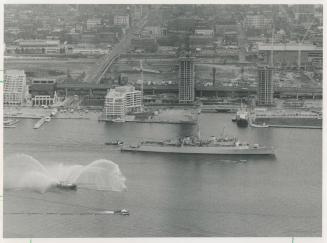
(213, 76)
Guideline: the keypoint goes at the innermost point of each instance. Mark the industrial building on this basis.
(290, 54)
(43, 81)
(38, 47)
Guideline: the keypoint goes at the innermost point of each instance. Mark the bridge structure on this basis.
(104, 65)
(103, 68)
(92, 89)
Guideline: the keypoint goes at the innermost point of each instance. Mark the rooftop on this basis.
(288, 47)
(15, 72)
(38, 42)
(119, 92)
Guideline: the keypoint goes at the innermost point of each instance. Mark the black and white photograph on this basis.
(162, 120)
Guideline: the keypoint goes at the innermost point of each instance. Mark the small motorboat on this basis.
(10, 122)
(9, 126)
(263, 125)
(115, 142)
(118, 120)
(123, 212)
(66, 186)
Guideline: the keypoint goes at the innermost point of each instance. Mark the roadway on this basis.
(174, 88)
(241, 43)
(101, 68)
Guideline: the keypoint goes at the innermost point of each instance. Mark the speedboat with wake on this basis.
(123, 212)
(115, 142)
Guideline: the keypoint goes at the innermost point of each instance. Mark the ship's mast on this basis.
(223, 133)
(142, 81)
(141, 69)
(198, 130)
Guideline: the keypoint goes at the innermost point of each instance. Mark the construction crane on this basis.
(272, 45)
(301, 42)
(142, 81)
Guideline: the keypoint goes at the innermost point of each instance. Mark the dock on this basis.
(165, 122)
(190, 122)
(39, 123)
(290, 126)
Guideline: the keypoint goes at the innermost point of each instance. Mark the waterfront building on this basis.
(15, 89)
(39, 100)
(186, 80)
(265, 86)
(122, 20)
(120, 101)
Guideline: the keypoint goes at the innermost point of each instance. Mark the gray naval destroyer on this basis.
(195, 145)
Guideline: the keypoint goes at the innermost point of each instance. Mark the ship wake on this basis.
(23, 172)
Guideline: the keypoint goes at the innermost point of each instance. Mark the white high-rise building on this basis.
(265, 86)
(15, 89)
(186, 80)
(120, 101)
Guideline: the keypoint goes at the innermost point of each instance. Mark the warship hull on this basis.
(200, 150)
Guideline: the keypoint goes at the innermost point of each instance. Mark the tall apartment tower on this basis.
(265, 86)
(15, 90)
(186, 80)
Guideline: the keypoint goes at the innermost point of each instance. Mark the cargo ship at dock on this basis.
(287, 118)
(193, 145)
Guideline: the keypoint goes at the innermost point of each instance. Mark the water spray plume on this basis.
(23, 172)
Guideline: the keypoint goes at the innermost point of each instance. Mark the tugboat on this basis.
(66, 186)
(242, 118)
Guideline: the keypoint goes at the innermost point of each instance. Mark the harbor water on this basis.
(169, 195)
